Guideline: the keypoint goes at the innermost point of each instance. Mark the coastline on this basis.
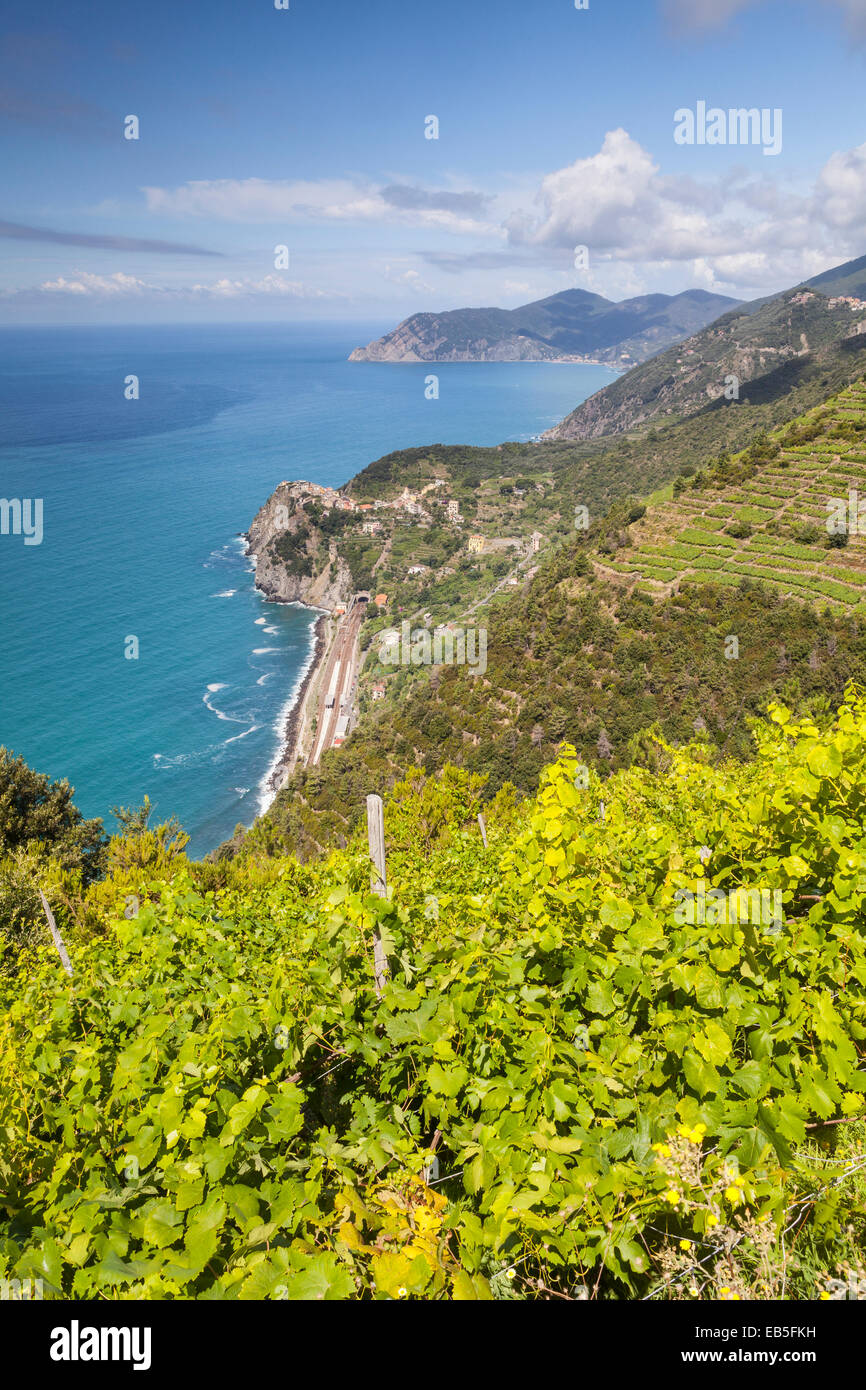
(292, 723)
(500, 362)
(283, 764)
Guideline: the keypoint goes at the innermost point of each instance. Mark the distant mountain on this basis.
(574, 326)
(761, 350)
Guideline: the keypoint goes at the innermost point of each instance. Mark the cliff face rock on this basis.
(292, 563)
(408, 344)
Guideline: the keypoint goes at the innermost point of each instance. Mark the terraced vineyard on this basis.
(763, 515)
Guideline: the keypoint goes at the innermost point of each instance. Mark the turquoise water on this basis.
(143, 502)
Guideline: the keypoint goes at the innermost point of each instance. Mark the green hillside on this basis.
(624, 629)
(515, 489)
(849, 278)
(575, 1083)
(763, 516)
(795, 342)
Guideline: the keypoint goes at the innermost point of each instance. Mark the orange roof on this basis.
(380, 599)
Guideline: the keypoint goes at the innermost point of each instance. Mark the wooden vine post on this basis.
(483, 829)
(58, 939)
(378, 880)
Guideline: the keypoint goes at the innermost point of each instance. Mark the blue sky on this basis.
(306, 128)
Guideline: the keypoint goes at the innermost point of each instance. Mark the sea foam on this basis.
(266, 792)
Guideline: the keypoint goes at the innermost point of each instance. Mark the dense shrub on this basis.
(219, 1106)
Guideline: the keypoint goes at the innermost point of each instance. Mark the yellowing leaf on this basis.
(466, 1288)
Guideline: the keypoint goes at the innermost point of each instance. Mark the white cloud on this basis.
(85, 283)
(602, 201)
(273, 285)
(739, 230)
(734, 229)
(841, 189)
(411, 278)
(325, 200)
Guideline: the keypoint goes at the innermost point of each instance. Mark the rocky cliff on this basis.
(293, 564)
(411, 342)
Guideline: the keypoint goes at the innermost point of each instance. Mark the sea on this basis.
(137, 656)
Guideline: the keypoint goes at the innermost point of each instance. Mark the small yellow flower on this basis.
(694, 1135)
(663, 1150)
(685, 1245)
(824, 1296)
(672, 1196)
(402, 1292)
(733, 1195)
(712, 1221)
